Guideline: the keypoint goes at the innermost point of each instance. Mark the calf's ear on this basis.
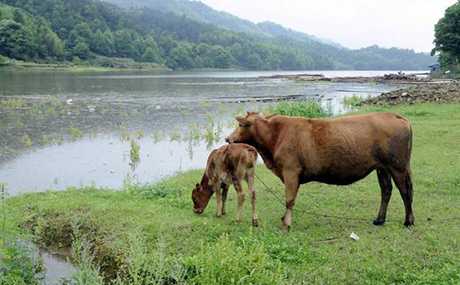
(242, 121)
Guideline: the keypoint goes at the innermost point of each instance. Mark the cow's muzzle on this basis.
(198, 211)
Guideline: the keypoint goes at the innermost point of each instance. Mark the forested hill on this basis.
(175, 36)
(198, 11)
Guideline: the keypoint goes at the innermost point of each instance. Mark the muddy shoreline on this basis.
(418, 87)
(392, 78)
(445, 92)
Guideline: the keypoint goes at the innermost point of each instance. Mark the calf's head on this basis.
(245, 131)
(200, 197)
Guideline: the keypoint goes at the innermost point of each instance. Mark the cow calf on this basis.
(230, 164)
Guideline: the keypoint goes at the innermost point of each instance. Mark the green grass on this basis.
(353, 101)
(307, 108)
(149, 234)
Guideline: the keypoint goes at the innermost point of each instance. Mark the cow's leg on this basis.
(385, 188)
(291, 182)
(219, 201)
(240, 193)
(403, 181)
(252, 191)
(224, 196)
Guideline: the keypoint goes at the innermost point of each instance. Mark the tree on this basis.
(220, 57)
(151, 55)
(447, 36)
(14, 40)
(46, 42)
(181, 57)
(81, 49)
(102, 43)
(19, 17)
(124, 45)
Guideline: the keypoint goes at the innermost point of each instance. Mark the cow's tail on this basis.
(410, 144)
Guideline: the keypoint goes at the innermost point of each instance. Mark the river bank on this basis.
(401, 78)
(98, 65)
(441, 92)
(149, 232)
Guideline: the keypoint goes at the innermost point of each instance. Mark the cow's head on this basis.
(200, 197)
(245, 131)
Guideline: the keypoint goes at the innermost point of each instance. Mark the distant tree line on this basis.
(41, 30)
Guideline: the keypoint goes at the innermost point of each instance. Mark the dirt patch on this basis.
(436, 92)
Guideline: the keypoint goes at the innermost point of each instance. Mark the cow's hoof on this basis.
(378, 222)
(285, 228)
(408, 224)
(409, 221)
(255, 223)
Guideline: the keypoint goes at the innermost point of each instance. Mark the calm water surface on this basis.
(63, 130)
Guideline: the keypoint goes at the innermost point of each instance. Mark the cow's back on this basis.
(346, 149)
(231, 159)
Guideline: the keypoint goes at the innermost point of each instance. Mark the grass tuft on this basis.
(307, 109)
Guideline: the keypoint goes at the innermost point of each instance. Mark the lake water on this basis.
(61, 130)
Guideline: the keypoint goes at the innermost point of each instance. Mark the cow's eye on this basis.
(243, 126)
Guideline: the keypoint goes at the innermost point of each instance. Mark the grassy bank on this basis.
(99, 64)
(149, 234)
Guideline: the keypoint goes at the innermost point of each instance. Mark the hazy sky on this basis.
(352, 23)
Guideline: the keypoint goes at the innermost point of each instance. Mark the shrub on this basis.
(308, 109)
(4, 60)
(144, 266)
(19, 264)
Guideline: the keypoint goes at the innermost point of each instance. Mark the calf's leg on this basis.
(403, 181)
(252, 191)
(291, 182)
(219, 207)
(224, 197)
(385, 188)
(240, 193)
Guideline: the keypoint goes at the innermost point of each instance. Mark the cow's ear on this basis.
(243, 121)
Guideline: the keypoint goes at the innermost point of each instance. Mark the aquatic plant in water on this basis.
(75, 133)
(134, 154)
(26, 141)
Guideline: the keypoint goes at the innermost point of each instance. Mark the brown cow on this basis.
(336, 151)
(227, 165)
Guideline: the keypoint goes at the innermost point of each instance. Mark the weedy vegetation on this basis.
(352, 101)
(20, 263)
(308, 109)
